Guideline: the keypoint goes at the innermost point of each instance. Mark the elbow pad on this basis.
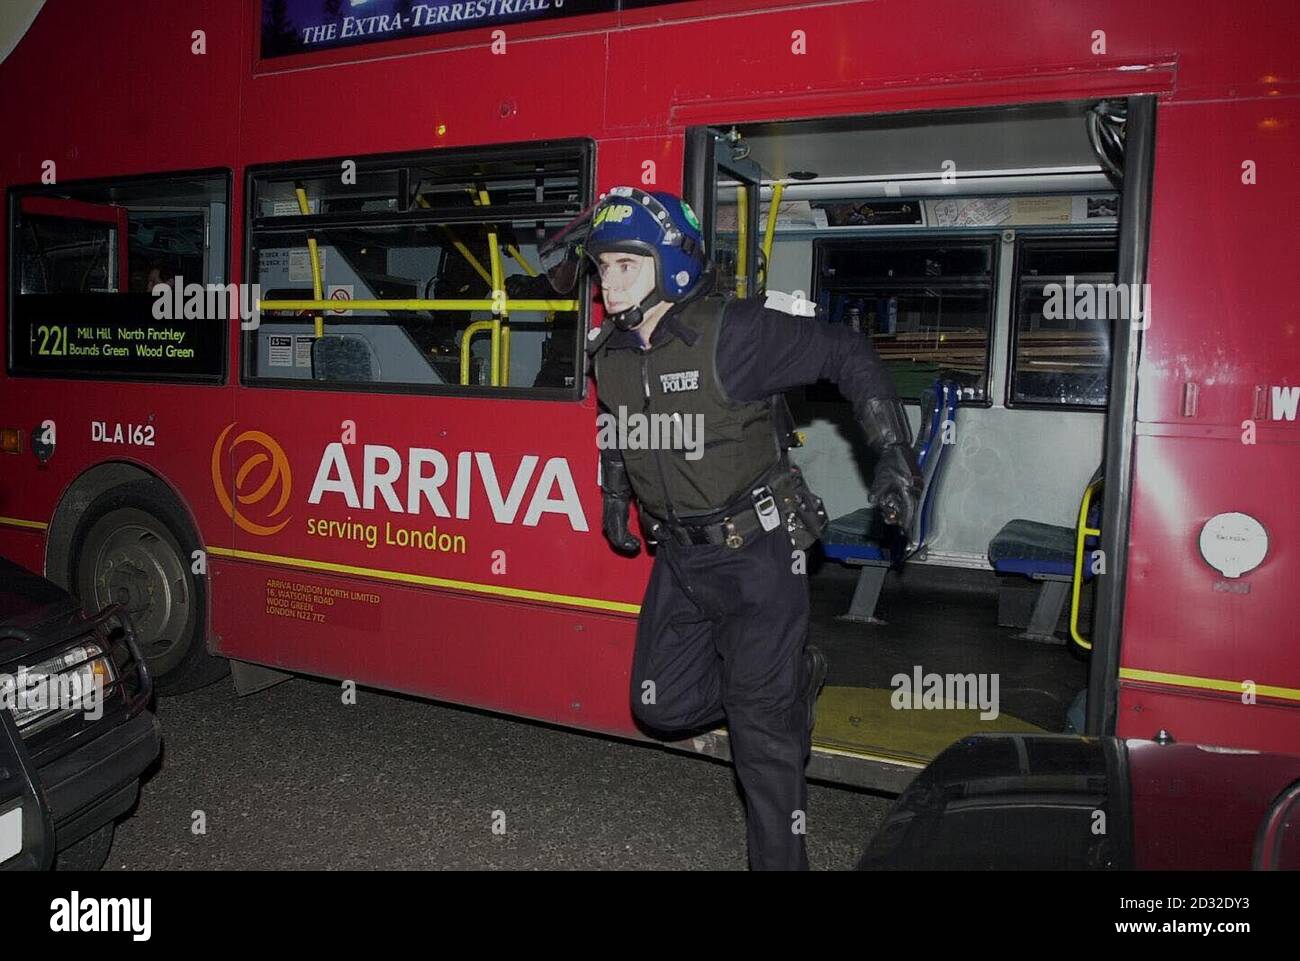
(885, 423)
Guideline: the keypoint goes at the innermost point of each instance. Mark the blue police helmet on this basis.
(658, 225)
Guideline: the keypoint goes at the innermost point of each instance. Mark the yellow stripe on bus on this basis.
(1207, 683)
(426, 581)
(19, 522)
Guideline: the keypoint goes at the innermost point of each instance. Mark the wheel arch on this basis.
(79, 495)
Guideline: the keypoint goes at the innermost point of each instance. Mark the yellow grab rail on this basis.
(478, 326)
(498, 331)
(500, 304)
(455, 242)
(519, 259)
(468, 255)
(742, 241)
(1083, 532)
(431, 305)
(501, 316)
(316, 288)
(778, 189)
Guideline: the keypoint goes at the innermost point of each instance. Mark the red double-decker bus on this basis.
(283, 375)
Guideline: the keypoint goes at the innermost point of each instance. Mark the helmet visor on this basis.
(561, 256)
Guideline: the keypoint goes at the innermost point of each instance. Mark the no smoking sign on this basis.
(340, 292)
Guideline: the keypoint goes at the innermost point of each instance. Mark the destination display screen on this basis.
(111, 334)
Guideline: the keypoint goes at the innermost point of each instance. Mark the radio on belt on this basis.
(765, 507)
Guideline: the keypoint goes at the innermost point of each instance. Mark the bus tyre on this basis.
(88, 854)
(134, 546)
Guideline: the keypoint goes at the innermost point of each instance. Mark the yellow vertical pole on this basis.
(500, 328)
(498, 308)
(742, 240)
(769, 234)
(305, 209)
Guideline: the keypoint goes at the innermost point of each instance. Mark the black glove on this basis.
(896, 487)
(616, 498)
(523, 287)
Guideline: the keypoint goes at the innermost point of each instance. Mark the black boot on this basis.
(815, 666)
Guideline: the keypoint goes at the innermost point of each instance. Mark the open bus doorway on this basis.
(979, 250)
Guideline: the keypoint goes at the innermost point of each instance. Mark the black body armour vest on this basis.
(739, 445)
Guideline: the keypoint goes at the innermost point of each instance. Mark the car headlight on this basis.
(74, 680)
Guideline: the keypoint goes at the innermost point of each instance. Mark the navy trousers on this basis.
(721, 636)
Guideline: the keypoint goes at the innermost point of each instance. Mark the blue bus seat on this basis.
(1032, 549)
(1043, 553)
(862, 539)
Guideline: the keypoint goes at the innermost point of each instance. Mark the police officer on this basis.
(724, 623)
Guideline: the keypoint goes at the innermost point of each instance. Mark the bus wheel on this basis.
(134, 548)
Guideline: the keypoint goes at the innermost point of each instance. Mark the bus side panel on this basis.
(1200, 717)
(651, 163)
(159, 428)
(554, 664)
(1222, 321)
(769, 61)
(105, 88)
(536, 90)
(515, 505)
(1221, 270)
(1186, 621)
(23, 547)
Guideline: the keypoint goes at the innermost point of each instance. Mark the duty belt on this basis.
(780, 499)
(733, 532)
(734, 529)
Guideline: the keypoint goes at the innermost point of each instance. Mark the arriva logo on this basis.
(258, 460)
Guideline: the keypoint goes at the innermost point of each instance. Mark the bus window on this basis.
(1061, 347)
(87, 259)
(389, 279)
(926, 305)
(66, 256)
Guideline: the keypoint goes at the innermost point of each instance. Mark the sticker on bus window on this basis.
(339, 292)
(1040, 210)
(291, 208)
(300, 264)
(280, 351)
(302, 350)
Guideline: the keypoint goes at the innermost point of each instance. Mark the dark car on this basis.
(1040, 802)
(75, 694)
(26, 828)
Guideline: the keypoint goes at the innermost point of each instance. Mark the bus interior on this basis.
(940, 236)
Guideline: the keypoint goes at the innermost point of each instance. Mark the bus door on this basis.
(723, 184)
(959, 244)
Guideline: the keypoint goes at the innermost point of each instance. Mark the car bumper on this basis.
(96, 783)
(26, 828)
